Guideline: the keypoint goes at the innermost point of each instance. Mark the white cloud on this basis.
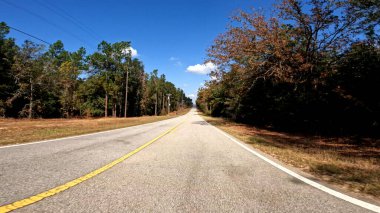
(133, 51)
(191, 95)
(202, 68)
(173, 59)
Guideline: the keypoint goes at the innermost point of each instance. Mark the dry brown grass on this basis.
(13, 131)
(346, 162)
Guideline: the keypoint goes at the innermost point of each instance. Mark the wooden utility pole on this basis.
(182, 100)
(106, 98)
(169, 102)
(126, 94)
(156, 95)
(31, 98)
(163, 101)
(155, 105)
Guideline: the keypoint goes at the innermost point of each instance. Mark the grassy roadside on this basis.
(14, 131)
(341, 161)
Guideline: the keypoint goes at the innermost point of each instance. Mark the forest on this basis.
(50, 82)
(310, 66)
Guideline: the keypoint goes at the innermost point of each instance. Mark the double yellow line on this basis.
(61, 188)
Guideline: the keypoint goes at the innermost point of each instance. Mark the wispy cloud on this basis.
(177, 61)
(190, 95)
(202, 68)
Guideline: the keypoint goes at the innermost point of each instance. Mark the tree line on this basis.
(52, 82)
(310, 66)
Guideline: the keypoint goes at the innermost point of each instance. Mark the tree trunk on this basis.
(126, 95)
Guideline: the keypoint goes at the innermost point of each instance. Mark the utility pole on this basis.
(155, 105)
(106, 98)
(128, 62)
(182, 100)
(163, 101)
(126, 93)
(168, 102)
(106, 89)
(31, 98)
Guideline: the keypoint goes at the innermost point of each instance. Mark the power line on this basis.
(72, 17)
(35, 37)
(46, 20)
(65, 15)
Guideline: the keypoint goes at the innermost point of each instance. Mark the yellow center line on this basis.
(63, 187)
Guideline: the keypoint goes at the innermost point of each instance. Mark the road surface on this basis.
(194, 168)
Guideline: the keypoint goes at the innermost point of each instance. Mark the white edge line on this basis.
(83, 135)
(337, 194)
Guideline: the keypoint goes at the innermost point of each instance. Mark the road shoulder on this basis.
(238, 133)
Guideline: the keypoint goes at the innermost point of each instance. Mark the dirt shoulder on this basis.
(347, 163)
(15, 131)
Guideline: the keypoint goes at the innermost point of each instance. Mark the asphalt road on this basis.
(195, 168)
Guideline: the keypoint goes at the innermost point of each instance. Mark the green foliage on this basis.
(35, 82)
(28, 72)
(368, 11)
(308, 68)
(8, 50)
(157, 92)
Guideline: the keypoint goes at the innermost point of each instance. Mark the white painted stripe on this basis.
(84, 135)
(337, 194)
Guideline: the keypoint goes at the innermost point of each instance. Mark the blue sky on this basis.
(171, 36)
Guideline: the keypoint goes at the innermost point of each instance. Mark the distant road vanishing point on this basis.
(177, 165)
